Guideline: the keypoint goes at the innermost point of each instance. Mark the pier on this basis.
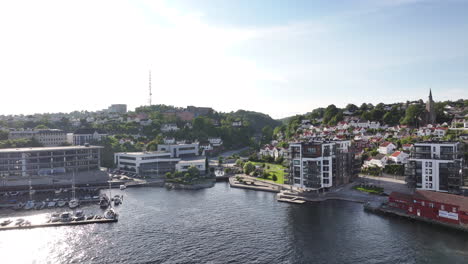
(71, 223)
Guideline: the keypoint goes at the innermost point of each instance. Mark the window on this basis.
(325, 174)
(454, 209)
(426, 171)
(430, 164)
(426, 163)
(431, 205)
(430, 178)
(296, 162)
(326, 181)
(442, 207)
(325, 162)
(430, 171)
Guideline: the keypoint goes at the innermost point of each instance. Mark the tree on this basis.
(267, 134)
(413, 115)
(351, 108)
(41, 127)
(249, 167)
(265, 175)
(194, 172)
(330, 112)
(3, 135)
(274, 178)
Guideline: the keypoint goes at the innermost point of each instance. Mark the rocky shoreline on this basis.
(197, 186)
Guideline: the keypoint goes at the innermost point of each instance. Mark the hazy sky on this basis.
(277, 57)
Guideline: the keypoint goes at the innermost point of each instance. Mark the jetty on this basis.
(71, 223)
(281, 197)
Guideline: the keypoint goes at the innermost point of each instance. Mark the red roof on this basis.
(457, 200)
(401, 196)
(407, 145)
(396, 154)
(385, 144)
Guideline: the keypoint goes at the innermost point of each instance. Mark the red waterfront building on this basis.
(443, 207)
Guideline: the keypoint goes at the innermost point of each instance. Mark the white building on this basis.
(216, 142)
(169, 127)
(87, 135)
(47, 137)
(399, 157)
(185, 164)
(379, 160)
(387, 148)
(180, 150)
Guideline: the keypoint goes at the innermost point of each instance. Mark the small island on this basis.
(191, 179)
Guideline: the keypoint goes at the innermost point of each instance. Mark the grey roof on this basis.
(47, 148)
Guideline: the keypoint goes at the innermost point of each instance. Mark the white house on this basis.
(169, 127)
(380, 160)
(407, 147)
(440, 131)
(424, 132)
(216, 142)
(399, 157)
(387, 148)
(237, 123)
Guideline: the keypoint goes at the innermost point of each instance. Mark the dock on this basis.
(71, 223)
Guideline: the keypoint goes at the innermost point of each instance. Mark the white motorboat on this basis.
(79, 216)
(51, 204)
(73, 203)
(58, 191)
(110, 214)
(123, 187)
(65, 217)
(29, 205)
(61, 203)
(54, 217)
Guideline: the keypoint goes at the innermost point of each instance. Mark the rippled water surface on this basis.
(224, 225)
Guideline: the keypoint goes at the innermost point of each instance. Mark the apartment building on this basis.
(317, 165)
(47, 137)
(435, 166)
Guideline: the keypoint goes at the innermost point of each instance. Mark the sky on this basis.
(277, 57)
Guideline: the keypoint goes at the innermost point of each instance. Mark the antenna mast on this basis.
(150, 93)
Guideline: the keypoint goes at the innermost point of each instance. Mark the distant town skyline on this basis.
(276, 57)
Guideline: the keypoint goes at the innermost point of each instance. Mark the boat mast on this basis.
(73, 186)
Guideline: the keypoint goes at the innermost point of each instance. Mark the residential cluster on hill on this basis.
(399, 139)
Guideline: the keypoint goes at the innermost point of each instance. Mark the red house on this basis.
(443, 207)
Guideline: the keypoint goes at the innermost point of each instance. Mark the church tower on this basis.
(430, 110)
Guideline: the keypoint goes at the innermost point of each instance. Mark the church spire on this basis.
(430, 94)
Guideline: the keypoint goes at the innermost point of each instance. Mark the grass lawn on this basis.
(275, 169)
(368, 189)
